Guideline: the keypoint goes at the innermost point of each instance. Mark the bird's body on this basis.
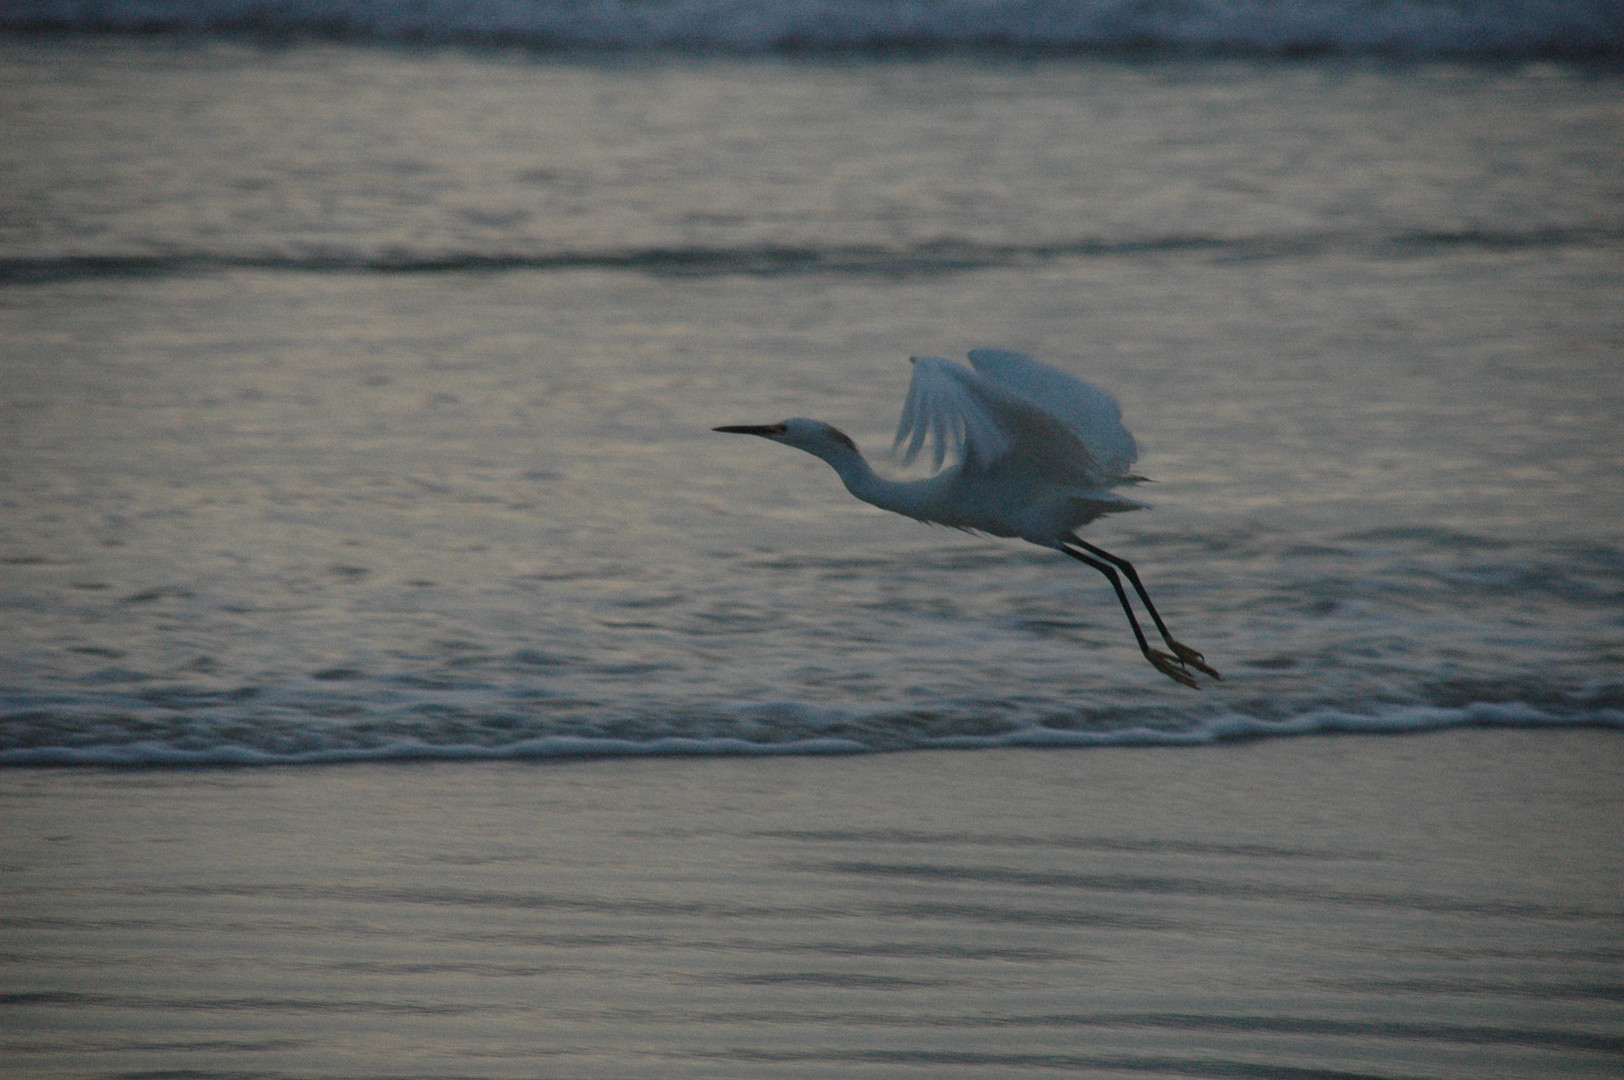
(1033, 453)
(1000, 499)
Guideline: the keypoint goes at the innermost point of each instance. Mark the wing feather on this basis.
(1089, 412)
(961, 414)
(944, 409)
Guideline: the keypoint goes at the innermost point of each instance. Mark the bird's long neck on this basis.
(862, 481)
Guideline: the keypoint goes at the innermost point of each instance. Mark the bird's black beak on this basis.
(764, 430)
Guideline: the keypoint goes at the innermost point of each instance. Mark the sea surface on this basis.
(360, 363)
(358, 366)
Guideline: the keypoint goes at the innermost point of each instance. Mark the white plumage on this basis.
(1007, 394)
(1029, 451)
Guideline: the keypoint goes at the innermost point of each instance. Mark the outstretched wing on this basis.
(945, 408)
(963, 415)
(1089, 412)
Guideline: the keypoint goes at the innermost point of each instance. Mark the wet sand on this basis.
(1441, 905)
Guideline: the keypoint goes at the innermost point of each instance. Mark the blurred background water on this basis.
(359, 364)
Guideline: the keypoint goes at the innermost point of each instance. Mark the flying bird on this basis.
(1032, 452)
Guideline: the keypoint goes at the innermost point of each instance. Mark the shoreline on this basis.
(566, 748)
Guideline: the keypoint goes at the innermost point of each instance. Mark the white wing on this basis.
(944, 408)
(1091, 414)
(966, 416)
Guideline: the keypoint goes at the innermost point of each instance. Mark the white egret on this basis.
(1035, 454)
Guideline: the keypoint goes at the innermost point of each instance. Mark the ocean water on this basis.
(358, 389)
(358, 365)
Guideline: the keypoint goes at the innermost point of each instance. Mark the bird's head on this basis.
(813, 436)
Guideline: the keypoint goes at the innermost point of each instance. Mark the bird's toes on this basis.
(1172, 667)
(1194, 659)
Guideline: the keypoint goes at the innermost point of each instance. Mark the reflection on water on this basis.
(1379, 907)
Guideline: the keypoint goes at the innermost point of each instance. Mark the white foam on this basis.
(1222, 727)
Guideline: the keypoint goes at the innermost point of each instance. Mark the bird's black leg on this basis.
(1171, 666)
(1184, 652)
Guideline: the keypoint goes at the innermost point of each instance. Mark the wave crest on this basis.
(1410, 27)
(98, 730)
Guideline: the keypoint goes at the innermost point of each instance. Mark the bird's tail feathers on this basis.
(1090, 505)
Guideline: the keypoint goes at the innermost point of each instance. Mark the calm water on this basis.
(358, 400)
(1444, 906)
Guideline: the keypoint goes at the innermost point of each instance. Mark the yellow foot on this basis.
(1172, 667)
(1194, 659)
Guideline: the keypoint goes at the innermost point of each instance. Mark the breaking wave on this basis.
(137, 729)
(942, 256)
